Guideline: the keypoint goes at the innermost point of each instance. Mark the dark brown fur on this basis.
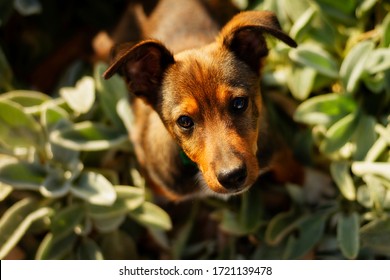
(191, 69)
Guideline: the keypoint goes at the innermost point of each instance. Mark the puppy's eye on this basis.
(185, 122)
(239, 104)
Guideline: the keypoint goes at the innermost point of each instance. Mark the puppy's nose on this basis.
(232, 179)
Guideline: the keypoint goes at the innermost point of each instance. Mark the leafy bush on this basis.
(47, 146)
(70, 186)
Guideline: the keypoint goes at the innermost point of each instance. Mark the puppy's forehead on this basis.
(203, 73)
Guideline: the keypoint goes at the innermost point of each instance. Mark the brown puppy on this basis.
(201, 127)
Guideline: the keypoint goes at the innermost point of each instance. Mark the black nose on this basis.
(232, 179)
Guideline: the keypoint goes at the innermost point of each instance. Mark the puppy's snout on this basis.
(233, 179)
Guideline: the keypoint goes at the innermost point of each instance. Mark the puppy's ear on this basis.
(143, 66)
(244, 36)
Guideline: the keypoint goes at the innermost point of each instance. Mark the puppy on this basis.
(200, 123)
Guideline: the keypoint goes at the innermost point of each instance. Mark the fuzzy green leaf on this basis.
(17, 128)
(21, 175)
(89, 250)
(361, 168)
(109, 92)
(31, 101)
(88, 136)
(94, 188)
(310, 229)
(378, 60)
(55, 185)
(301, 81)
(353, 65)
(5, 190)
(128, 199)
(339, 134)
(324, 109)
(150, 215)
(316, 58)
(365, 136)
(15, 222)
(56, 248)
(105, 225)
(386, 31)
(302, 24)
(341, 174)
(280, 226)
(376, 235)
(348, 234)
(65, 221)
(82, 97)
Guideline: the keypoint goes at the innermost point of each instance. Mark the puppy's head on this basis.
(209, 98)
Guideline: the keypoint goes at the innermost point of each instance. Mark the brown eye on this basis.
(239, 104)
(185, 122)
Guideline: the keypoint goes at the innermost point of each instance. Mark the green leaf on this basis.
(94, 188)
(31, 101)
(109, 92)
(150, 215)
(348, 234)
(302, 24)
(66, 220)
(377, 149)
(365, 7)
(52, 115)
(119, 245)
(56, 248)
(364, 197)
(105, 225)
(280, 226)
(375, 83)
(250, 212)
(361, 168)
(365, 136)
(386, 31)
(18, 129)
(125, 113)
(341, 175)
(88, 136)
(82, 97)
(89, 250)
(378, 60)
(324, 109)
(5, 191)
(376, 235)
(353, 65)
(15, 222)
(56, 185)
(316, 58)
(128, 199)
(301, 81)
(377, 191)
(339, 134)
(21, 175)
(310, 230)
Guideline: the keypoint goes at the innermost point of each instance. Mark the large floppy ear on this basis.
(143, 66)
(244, 36)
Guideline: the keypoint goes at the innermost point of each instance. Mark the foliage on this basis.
(45, 143)
(70, 187)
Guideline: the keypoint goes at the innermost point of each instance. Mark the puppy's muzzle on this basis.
(233, 179)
